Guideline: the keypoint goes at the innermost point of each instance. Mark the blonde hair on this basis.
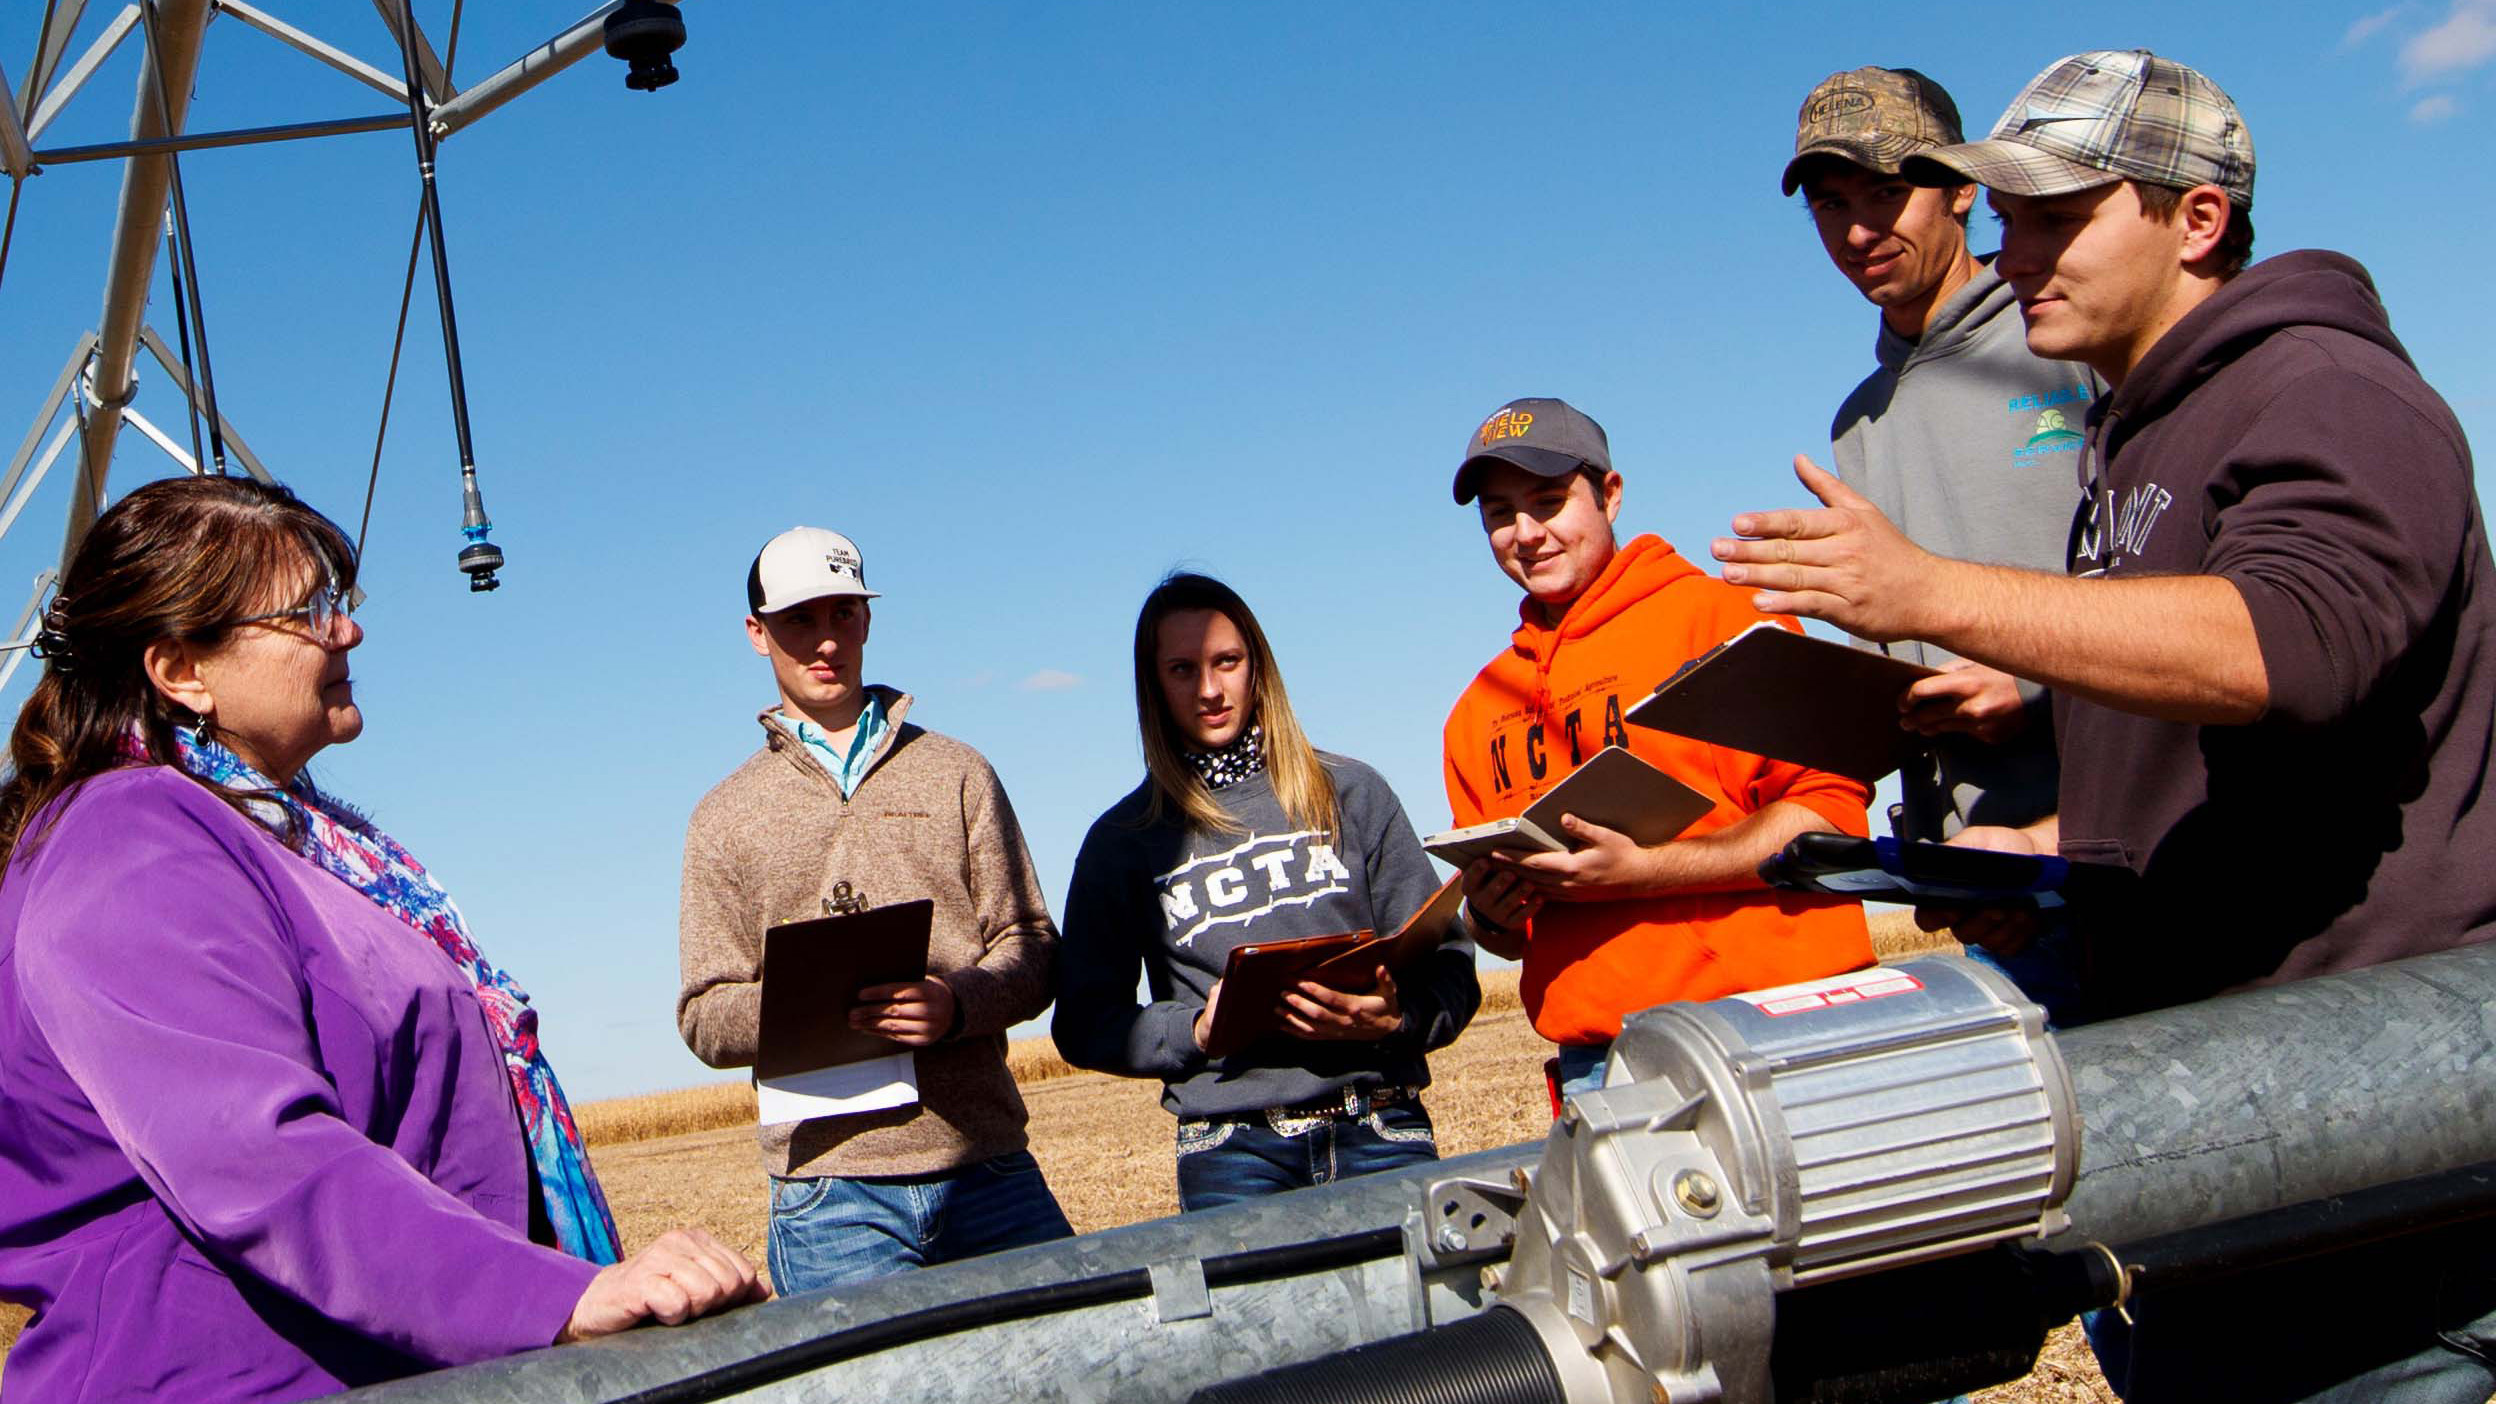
(1301, 784)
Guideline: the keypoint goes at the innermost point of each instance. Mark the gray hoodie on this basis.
(1972, 446)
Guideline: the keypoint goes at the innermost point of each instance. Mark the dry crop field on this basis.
(688, 1157)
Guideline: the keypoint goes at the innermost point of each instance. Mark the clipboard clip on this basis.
(844, 902)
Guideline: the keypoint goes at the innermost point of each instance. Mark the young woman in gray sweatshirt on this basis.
(1243, 832)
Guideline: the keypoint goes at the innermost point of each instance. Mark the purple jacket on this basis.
(255, 1139)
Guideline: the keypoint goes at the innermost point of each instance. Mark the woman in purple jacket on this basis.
(269, 1124)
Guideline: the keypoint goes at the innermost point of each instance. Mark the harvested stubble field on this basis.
(688, 1157)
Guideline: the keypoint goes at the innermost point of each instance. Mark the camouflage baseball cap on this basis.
(1874, 118)
(2104, 116)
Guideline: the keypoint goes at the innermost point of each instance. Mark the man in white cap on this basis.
(848, 806)
(2273, 657)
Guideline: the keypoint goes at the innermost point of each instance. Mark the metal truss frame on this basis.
(91, 399)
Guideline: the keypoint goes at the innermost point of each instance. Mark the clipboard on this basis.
(1888, 870)
(1258, 973)
(1613, 788)
(812, 972)
(1774, 692)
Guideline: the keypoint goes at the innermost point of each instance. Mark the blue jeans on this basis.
(1581, 1067)
(1225, 1159)
(827, 1229)
(2047, 971)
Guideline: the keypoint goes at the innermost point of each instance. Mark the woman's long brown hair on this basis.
(1301, 784)
(179, 559)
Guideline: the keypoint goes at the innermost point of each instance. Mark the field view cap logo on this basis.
(2104, 116)
(805, 563)
(1873, 118)
(1547, 437)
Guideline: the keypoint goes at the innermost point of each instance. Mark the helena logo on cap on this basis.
(1842, 102)
(1507, 424)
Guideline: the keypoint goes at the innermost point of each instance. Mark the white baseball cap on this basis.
(805, 563)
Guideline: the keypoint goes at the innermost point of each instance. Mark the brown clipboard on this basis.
(812, 973)
(1773, 692)
(1614, 788)
(1258, 973)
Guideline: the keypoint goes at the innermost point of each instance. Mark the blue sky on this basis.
(1037, 303)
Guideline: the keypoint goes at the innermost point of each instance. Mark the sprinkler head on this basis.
(643, 33)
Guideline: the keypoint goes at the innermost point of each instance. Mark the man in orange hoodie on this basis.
(1612, 927)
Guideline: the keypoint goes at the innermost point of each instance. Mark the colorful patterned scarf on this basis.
(356, 852)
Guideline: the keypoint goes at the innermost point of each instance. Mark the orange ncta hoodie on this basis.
(1554, 697)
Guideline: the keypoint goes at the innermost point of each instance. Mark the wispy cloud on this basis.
(1050, 680)
(2433, 110)
(2463, 40)
(2371, 25)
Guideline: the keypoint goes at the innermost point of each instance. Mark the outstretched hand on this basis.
(685, 1274)
(1843, 562)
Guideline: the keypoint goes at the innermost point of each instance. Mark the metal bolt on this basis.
(1490, 1278)
(1452, 1239)
(1696, 1192)
(1659, 1394)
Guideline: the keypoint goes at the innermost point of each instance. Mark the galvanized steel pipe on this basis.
(2191, 1116)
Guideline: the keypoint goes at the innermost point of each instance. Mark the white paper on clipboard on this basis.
(844, 1089)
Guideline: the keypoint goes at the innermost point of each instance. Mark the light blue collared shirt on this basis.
(848, 767)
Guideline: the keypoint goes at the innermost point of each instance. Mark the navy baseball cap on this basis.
(1546, 437)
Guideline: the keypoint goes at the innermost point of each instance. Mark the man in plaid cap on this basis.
(1960, 435)
(2280, 607)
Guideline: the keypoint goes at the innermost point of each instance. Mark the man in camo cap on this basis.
(1960, 435)
(2280, 607)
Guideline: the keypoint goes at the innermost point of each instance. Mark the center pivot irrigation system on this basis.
(1886, 1186)
(92, 397)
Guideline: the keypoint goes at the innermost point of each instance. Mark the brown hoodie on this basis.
(771, 841)
(2279, 438)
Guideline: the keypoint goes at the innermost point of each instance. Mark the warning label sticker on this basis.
(1876, 983)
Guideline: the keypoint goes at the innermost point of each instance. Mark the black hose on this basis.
(1494, 1357)
(1929, 1331)
(2378, 1215)
(1022, 1303)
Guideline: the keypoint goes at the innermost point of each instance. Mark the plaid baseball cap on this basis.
(1546, 437)
(1873, 118)
(2104, 116)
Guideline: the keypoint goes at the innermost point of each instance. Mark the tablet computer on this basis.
(1889, 870)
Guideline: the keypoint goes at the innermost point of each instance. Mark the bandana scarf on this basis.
(1221, 769)
(354, 850)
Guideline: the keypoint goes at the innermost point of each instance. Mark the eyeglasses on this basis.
(327, 612)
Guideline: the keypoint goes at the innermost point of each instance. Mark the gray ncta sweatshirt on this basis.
(1972, 446)
(1174, 901)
